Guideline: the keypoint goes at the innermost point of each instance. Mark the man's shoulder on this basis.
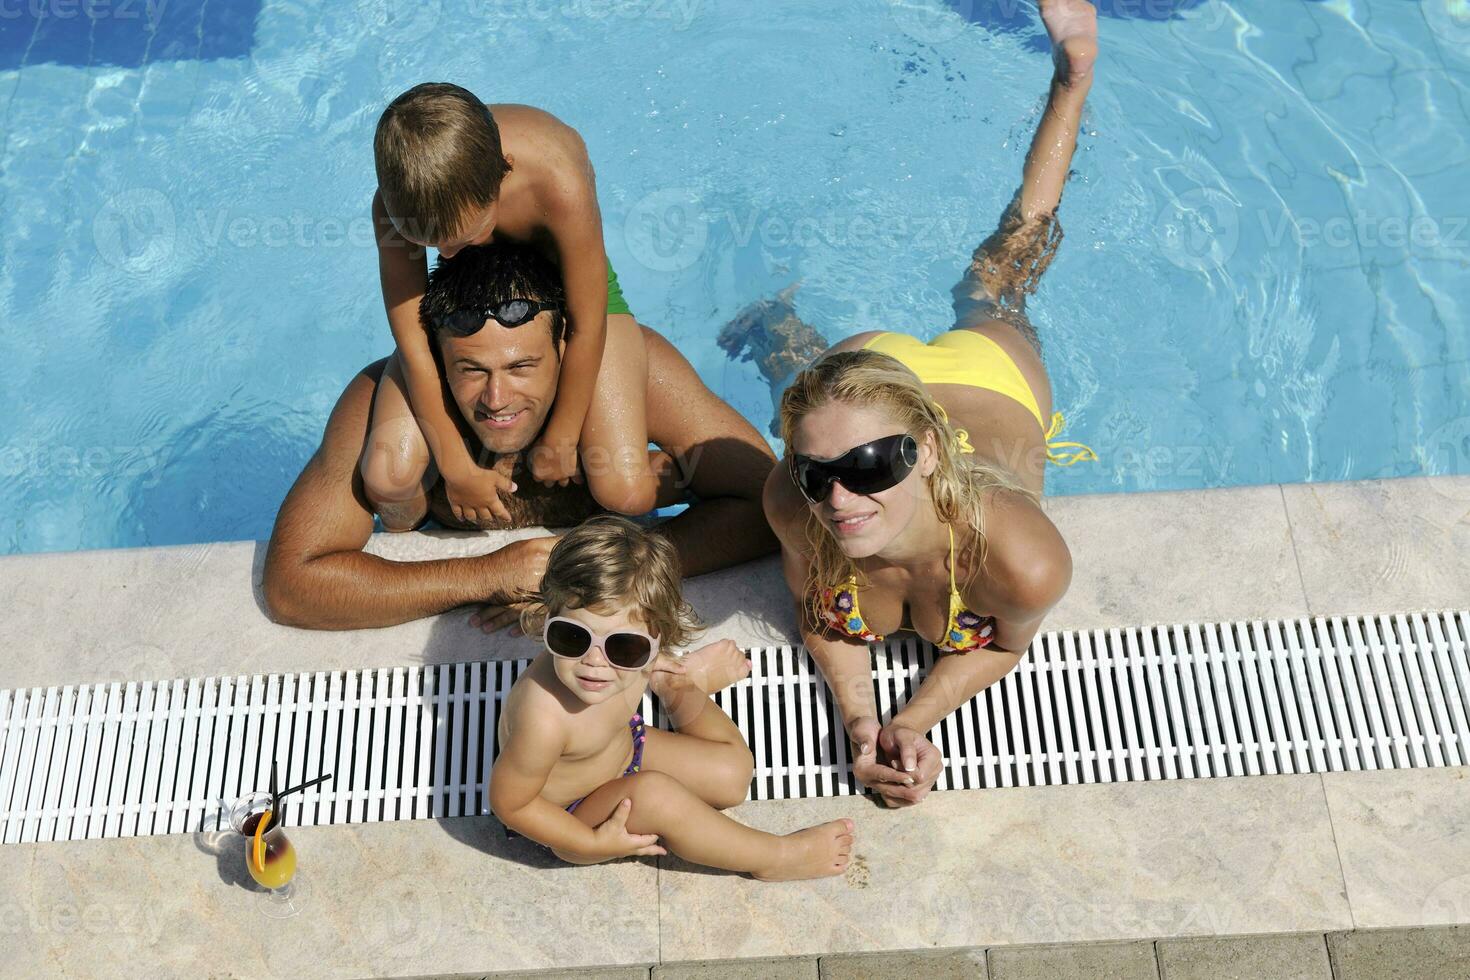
(365, 381)
(354, 406)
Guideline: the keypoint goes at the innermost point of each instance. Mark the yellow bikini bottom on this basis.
(964, 357)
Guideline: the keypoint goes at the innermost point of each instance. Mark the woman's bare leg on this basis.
(1009, 264)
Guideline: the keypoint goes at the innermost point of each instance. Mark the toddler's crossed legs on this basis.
(705, 765)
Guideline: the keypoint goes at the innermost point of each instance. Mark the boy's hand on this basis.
(553, 460)
(614, 841)
(474, 496)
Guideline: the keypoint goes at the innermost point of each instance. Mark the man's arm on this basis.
(717, 455)
(316, 574)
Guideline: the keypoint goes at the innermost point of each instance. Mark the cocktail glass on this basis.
(271, 859)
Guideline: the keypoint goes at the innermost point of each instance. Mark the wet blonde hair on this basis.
(873, 380)
(608, 560)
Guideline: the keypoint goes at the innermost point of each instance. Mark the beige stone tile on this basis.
(1047, 864)
(1292, 957)
(1404, 839)
(1401, 954)
(1085, 961)
(1383, 545)
(945, 964)
(394, 899)
(1147, 558)
(759, 969)
(591, 973)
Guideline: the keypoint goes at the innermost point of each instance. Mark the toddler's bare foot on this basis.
(1072, 27)
(817, 852)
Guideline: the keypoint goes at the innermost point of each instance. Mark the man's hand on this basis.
(474, 496)
(553, 460)
(911, 753)
(614, 841)
(518, 590)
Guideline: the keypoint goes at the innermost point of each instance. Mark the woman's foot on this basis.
(1072, 27)
(817, 852)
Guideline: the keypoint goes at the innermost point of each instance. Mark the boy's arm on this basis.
(575, 223)
(473, 491)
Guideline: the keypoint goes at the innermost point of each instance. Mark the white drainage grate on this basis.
(1178, 702)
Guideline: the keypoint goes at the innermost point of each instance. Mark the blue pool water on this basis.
(1264, 278)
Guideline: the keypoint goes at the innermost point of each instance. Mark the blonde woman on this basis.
(909, 496)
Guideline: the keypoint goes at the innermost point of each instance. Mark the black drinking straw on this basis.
(275, 797)
(306, 785)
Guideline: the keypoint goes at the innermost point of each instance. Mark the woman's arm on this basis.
(1030, 569)
(846, 664)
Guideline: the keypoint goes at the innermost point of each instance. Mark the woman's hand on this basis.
(864, 736)
(911, 753)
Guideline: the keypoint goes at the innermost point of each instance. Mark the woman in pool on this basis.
(909, 498)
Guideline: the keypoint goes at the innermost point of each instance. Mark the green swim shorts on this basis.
(615, 301)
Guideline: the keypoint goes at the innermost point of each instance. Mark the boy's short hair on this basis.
(480, 276)
(438, 156)
(610, 560)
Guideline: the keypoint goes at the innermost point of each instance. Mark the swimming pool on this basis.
(1264, 278)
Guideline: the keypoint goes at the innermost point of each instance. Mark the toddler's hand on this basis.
(614, 841)
(668, 671)
(553, 461)
(474, 496)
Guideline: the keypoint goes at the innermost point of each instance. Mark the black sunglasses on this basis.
(870, 468)
(507, 313)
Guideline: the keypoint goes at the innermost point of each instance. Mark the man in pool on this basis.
(501, 371)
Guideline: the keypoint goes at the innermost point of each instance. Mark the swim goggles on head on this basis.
(507, 313)
(624, 649)
(870, 468)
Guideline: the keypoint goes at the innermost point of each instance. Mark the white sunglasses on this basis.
(625, 649)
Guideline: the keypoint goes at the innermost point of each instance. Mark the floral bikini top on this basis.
(966, 630)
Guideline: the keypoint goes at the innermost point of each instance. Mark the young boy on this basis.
(454, 172)
(579, 771)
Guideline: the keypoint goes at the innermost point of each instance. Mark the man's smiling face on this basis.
(503, 379)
